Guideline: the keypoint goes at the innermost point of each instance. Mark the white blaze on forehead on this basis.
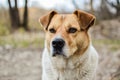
(58, 36)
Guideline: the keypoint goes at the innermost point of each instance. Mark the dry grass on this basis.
(23, 39)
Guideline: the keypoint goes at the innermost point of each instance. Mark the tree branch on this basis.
(9, 4)
(111, 4)
(15, 3)
(75, 4)
(118, 2)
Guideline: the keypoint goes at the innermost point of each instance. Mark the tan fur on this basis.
(78, 48)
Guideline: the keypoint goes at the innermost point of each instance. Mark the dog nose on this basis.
(58, 43)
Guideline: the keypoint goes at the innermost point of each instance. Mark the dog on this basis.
(68, 52)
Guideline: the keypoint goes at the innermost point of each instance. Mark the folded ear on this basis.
(45, 20)
(86, 20)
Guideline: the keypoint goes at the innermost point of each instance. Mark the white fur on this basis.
(80, 68)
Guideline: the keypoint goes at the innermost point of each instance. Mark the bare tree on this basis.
(15, 18)
(116, 6)
(77, 6)
(104, 12)
(104, 7)
(25, 16)
(74, 2)
(14, 14)
(91, 7)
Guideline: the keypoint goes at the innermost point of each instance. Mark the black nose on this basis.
(58, 43)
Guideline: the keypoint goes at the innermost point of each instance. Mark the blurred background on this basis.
(22, 37)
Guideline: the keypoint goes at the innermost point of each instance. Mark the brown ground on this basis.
(20, 64)
(25, 64)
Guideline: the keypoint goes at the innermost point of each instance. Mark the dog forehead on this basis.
(64, 18)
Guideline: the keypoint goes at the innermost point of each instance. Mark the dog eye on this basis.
(52, 30)
(72, 30)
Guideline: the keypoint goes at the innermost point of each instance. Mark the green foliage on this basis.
(4, 30)
(21, 30)
(4, 22)
(22, 40)
(113, 44)
(107, 41)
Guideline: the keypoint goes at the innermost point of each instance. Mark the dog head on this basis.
(67, 34)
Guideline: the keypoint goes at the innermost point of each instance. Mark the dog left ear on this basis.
(45, 20)
(86, 20)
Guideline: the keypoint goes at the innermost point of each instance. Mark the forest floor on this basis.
(25, 63)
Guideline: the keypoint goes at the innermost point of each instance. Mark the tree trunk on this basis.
(14, 15)
(15, 18)
(118, 8)
(25, 17)
(118, 12)
(91, 7)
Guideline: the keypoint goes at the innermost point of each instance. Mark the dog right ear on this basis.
(86, 20)
(45, 20)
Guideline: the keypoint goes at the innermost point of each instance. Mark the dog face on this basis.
(66, 34)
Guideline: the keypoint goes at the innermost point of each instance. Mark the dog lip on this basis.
(58, 53)
(53, 55)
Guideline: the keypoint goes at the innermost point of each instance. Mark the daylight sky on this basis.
(48, 3)
(54, 4)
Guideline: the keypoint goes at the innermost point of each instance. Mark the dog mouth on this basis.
(57, 52)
